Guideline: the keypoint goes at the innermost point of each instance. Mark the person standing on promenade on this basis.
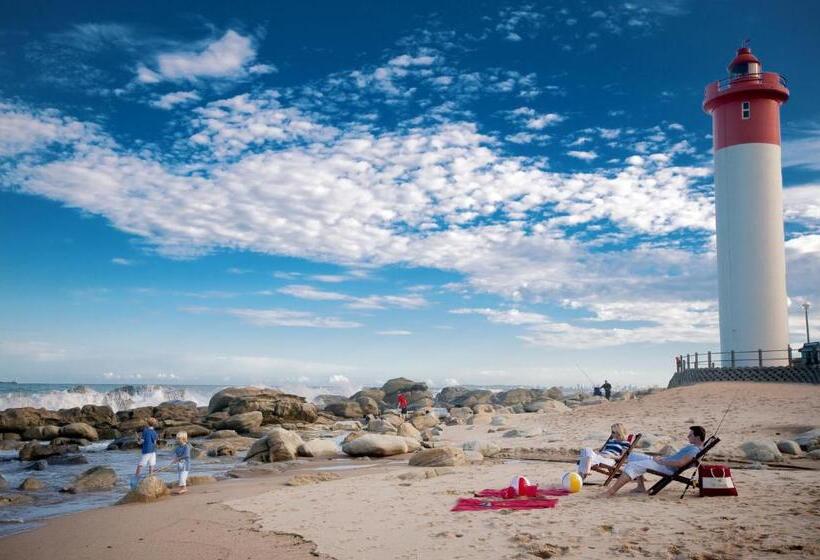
(148, 439)
(607, 389)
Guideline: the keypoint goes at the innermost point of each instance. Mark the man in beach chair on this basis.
(677, 476)
(639, 464)
(607, 456)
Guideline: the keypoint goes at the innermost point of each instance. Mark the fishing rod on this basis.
(586, 375)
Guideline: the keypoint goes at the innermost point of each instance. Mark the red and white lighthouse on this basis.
(745, 109)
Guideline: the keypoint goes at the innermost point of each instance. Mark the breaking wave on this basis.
(120, 398)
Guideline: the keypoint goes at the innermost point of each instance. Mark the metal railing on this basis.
(772, 78)
(733, 358)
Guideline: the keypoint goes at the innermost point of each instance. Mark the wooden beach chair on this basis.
(677, 476)
(615, 470)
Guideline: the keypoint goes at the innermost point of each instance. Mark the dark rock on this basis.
(345, 409)
(223, 398)
(19, 419)
(243, 422)
(79, 430)
(517, 396)
(472, 398)
(149, 489)
(276, 408)
(41, 433)
(448, 395)
(185, 411)
(368, 405)
(373, 393)
(31, 484)
(278, 445)
(10, 436)
(34, 451)
(70, 441)
(15, 500)
(40, 465)
(108, 433)
(324, 400)
(77, 459)
(92, 414)
(95, 478)
(9, 445)
(193, 431)
(222, 434)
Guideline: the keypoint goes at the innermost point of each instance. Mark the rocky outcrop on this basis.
(546, 406)
(368, 405)
(376, 445)
(243, 422)
(278, 445)
(379, 426)
(347, 425)
(345, 409)
(424, 421)
(408, 430)
(42, 433)
(79, 430)
(149, 489)
(34, 451)
(276, 407)
(371, 393)
(223, 447)
(447, 396)
(438, 457)
(517, 396)
(472, 398)
(809, 440)
(318, 448)
(95, 478)
(223, 434)
(18, 420)
(193, 431)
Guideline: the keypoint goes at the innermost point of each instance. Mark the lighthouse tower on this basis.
(745, 109)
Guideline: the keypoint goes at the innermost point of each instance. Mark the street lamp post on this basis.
(805, 307)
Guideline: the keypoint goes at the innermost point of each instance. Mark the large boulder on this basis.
(461, 412)
(276, 407)
(401, 385)
(323, 400)
(438, 457)
(448, 395)
(223, 434)
(368, 405)
(72, 459)
(789, 447)
(193, 431)
(808, 440)
(472, 398)
(423, 421)
(546, 406)
(222, 447)
(318, 448)
(223, 399)
(34, 451)
(408, 430)
(99, 416)
(180, 411)
(347, 425)
(95, 478)
(243, 422)
(278, 445)
(376, 445)
(372, 393)
(46, 433)
(31, 484)
(19, 419)
(15, 500)
(379, 426)
(345, 409)
(517, 396)
(149, 489)
(79, 430)
(761, 450)
(393, 418)
(479, 419)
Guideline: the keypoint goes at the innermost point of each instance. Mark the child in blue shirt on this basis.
(148, 441)
(182, 458)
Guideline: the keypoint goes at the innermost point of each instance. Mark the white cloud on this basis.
(586, 155)
(22, 130)
(407, 60)
(411, 301)
(121, 261)
(170, 100)
(394, 333)
(278, 317)
(230, 56)
(803, 150)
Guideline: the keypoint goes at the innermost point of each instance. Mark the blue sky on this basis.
(345, 192)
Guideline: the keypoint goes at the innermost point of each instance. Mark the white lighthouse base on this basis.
(750, 248)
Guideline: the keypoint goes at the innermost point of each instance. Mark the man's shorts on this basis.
(148, 459)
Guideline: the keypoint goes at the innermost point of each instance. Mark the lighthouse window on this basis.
(746, 110)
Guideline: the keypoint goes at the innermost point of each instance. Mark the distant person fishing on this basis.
(604, 390)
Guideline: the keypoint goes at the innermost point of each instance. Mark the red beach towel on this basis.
(476, 504)
(508, 493)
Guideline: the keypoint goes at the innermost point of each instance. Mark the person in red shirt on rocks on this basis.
(402, 404)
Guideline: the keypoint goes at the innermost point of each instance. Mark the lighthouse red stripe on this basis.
(729, 128)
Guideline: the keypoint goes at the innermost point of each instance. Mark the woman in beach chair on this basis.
(638, 463)
(612, 449)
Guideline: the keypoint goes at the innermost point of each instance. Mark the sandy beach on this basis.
(398, 511)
